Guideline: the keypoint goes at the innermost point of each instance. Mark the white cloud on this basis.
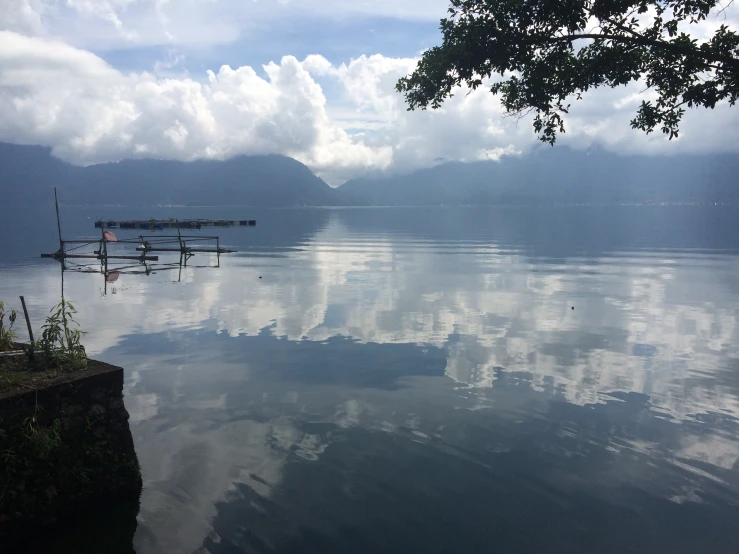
(472, 124)
(495, 154)
(24, 16)
(66, 97)
(116, 23)
(121, 23)
(52, 93)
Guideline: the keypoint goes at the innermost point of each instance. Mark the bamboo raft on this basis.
(91, 255)
(143, 245)
(185, 245)
(159, 224)
(177, 243)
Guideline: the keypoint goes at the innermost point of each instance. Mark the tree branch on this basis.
(722, 11)
(641, 41)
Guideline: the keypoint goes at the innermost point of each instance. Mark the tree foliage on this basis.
(548, 52)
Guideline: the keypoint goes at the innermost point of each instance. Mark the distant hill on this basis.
(557, 175)
(28, 173)
(547, 176)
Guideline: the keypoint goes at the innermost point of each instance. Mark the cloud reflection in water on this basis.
(393, 365)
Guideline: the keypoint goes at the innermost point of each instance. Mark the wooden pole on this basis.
(186, 250)
(103, 243)
(28, 321)
(179, 235)
(140, 257)
(58, 224)
(30, 330)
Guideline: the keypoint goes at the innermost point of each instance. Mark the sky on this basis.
(104, 80)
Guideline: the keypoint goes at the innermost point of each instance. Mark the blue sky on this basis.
(337, 39)
(102, 80)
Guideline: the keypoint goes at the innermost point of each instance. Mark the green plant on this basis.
(60, 342)
(7, 335)
(43, 440)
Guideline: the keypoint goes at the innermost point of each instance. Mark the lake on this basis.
(437, 380)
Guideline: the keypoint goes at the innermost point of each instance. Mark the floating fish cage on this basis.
(140, 250)
(161, 224)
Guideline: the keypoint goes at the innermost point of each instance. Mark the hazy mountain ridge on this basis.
(559, 175)
(547, 176)
(28, 173)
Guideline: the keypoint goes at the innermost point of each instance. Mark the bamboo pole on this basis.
(28, 324)
(99, 257)
(28, 321)
(188, 250)
(58, 224)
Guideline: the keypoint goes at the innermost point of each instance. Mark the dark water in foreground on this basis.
(407, 380)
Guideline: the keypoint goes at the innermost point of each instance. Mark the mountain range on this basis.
(560, 175)
(546, 176)
(28, 174)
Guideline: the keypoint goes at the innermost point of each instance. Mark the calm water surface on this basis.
(416, 380)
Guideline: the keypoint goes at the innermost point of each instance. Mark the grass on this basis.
(59, 352)
(17, 374)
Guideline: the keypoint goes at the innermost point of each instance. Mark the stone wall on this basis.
(64, 448)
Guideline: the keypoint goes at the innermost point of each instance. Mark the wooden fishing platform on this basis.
(98, 256)
(159, 224)
(142, 246)
(178, 243)
(185, 245)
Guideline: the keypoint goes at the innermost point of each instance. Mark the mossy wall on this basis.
(64, 449)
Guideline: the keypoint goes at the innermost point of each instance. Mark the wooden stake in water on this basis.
(28, 321)
(30, 331)
(58, 224)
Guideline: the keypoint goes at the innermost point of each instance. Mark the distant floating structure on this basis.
(143, 246)
(160, 224)
(91, 255)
